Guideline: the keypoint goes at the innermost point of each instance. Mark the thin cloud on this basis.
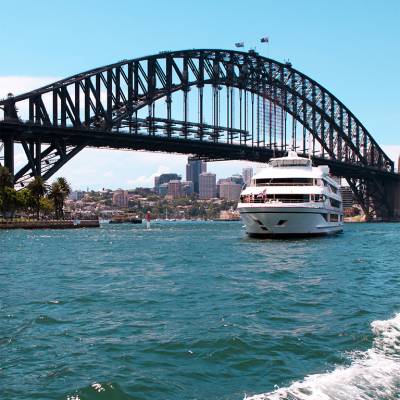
(148, 181)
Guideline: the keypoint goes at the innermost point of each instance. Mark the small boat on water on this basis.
(121, 219)
(291, 197)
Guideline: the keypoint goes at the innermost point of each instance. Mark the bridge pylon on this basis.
(8, 144)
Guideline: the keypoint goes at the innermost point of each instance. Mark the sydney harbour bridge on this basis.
(213, 104)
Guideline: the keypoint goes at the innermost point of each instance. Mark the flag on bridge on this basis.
(239, 44)
(264, 39)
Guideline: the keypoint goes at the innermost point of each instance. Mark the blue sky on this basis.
(350, 47)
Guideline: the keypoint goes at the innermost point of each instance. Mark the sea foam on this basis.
(373, 374)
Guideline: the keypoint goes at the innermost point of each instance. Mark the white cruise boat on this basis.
(290, 197)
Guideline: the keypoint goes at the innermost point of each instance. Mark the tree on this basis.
(38, 189)
(26, 201)
(9, 201)
(65, 186)
(59, 191)
(46, 206)
(7, 195)
(6, 178)
(56, 195)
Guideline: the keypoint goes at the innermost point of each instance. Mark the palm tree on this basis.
(56, 194)
(38, 189)
(66, 189)
(65, 186)
(59, 191)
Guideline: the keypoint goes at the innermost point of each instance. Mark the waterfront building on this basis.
(247, 174)
(207, 185)
(193, 170)
(120, 198)
(175, 189)
(165, 178)
(229, 191)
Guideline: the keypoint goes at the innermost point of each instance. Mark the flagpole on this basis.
(265, 40)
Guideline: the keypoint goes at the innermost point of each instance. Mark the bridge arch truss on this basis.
(216, 104)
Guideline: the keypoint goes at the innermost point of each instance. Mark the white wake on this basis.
(372, 375)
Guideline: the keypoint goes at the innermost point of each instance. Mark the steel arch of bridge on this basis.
(117, 106)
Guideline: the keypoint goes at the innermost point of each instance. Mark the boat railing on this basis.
(283, 184)
(271, 201)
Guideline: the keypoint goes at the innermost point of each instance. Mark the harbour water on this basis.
(196, 310)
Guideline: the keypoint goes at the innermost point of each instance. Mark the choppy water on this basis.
(196, 310)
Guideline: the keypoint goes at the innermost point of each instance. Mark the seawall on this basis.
(49, 224)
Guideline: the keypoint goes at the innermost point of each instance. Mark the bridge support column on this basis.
(9, 153)
(38, 158)
(393, 193)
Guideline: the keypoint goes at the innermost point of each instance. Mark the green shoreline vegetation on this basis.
(37, 201)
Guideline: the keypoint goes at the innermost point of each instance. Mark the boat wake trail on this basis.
(373, 374)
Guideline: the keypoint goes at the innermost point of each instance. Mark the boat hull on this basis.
(288, 222)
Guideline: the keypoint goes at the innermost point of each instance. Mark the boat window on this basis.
(334, 217)
(281, 222)
(267, 198)
(283, 182)
(335, 203)
(333, 189)
(301, 162)
(325, 216)
(291, 198)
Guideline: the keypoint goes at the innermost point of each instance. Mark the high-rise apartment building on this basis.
(164, 178)
(207, 185)
(236, 178)
(247, 174)
(175, 189)
(229, 191)
(193, 170)
(187, 188)
(120, 198)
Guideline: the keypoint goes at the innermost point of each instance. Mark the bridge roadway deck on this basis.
(158, 143)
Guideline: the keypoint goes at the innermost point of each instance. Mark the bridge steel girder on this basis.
(94, 108)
